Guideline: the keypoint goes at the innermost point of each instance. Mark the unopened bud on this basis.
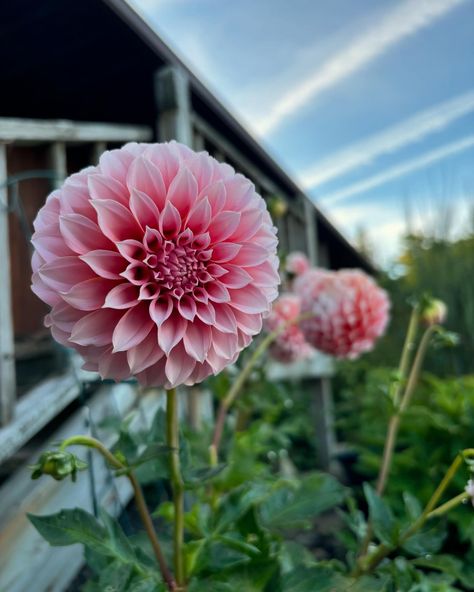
(59, 465)
(277, 206)
(434, 313)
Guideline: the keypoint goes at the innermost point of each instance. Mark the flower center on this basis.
(171, 267)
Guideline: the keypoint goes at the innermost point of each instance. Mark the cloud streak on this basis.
(406, 19)
(400, 170)
(390, 140)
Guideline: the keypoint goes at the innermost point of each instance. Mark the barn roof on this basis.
(94, 60)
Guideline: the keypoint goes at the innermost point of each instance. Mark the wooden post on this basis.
(311, 231)
(324, 422)
(173, 101)
(97, 149)
(7, 343)
(57, 158)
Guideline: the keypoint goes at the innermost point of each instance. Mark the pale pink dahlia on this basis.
(350, 311)
(290, 345)
(158, 263)
(297, 263)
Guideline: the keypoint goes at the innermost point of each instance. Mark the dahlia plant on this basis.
(160, 264)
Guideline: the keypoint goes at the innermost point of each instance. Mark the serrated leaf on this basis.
(383, 522)
(69, 527)
(313, 579)
(116, 577)
(293, 506)
(198, 477)
(120, 543)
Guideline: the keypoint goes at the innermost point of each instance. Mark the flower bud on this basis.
(434, 313)
(277, 207)
(59, 465)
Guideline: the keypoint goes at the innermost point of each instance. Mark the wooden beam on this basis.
(7, 344)
(97, 150)
(311, 230)
(33, 130)
(173, 102)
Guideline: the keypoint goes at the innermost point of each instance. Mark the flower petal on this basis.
(96, 328)
(144, 209)
(183, 191)
(116, 221)
(146, 177)
(223, 225)
(106, 264)
(81, 234)
(170, 221)
(132, 328)
(122, 296)
(89, 295)
(197, 340)
(171, 331)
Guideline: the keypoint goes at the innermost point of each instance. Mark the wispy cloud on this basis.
(406, 19)
(389, 140)
(400, 170)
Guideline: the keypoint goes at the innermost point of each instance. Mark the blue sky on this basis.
(369, 104)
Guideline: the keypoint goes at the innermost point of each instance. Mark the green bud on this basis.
(59, 465)
(434, 312)
(277, 206)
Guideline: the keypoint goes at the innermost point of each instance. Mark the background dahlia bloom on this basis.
(158, 263)
(350, 311)
(297, 263)
(290, 345)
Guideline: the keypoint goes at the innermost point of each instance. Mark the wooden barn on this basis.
(77, 78)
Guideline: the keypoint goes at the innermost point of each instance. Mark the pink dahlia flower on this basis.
(290, 345)
(350, 311)
(297, 263)
(158, 263)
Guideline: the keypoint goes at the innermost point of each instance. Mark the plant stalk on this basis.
(145, 517)
(177, 485)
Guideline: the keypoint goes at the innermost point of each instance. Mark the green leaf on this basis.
(383, 522)
(314, 579)
(412, 505)
(297, 503)
(69, 527)
(426, 541)
(118, 541)
(198, 477)
(238, 543)
(116, 577)
(145, 585)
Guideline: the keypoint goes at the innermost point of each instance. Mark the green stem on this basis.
(138, 495)
(408, 349)
(237, 386)
(177, 484)
(368, 564)
(395, 420)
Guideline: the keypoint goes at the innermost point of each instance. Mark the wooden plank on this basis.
(7, 345)
(174, 105)
(36, 409)
(33, 130)
(27, 562)
(311, 230)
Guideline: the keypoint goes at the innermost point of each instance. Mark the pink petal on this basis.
(114, 366)
(115, 163)
(250, 324)
(145, 354)
(217, 292)
(251, 255)
(106, 264)
(206, 312)
(153, 239)
(81, 234)
(116, 221)
(132, 250)
(216, 195)
(171, 331)
(44, 293)
(63, 273)
(160, 309)
(102, 187)
(132, 328)
(89, 295)
(144, 209)
(225, 344)
(197, 340)
(65, 316)
(137, 273)
(225, 252)
(225, 319)
(235, 277)
(223, 225)
(146, 177)
(96, 328)
(250, 222)
(122, 296)
(170, 221)
(182, 191)
(179, 366)
(166, 162)
(149, 291)
(187, 307)
(249, 300)
(199, 216)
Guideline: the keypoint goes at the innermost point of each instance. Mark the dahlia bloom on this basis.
(350, 311)
(290, 345)
(158, 263)
(297, 263)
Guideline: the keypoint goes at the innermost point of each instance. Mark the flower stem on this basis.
(237, 386)
(138, 495)
(395, 420)
(177, 484)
